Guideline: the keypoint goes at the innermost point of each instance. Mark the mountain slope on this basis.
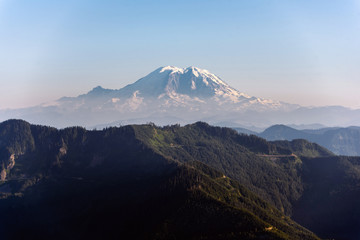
(282, 132)
(181, 179)
(171, 95)
(246, 159)
(177, 95)
(79, 184)
(171, 87)
(342, 141)
(191, 81)
(329, 205)
(302, 179)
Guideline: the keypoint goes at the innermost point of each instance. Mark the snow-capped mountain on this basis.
(194, 82)
(180, 85)
(169, 87)
(175, 95)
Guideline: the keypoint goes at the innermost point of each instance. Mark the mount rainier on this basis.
(177, 95)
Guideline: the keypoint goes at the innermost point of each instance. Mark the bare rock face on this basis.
(9, 164)
(62, 152)
(11, 161)
(3, 175)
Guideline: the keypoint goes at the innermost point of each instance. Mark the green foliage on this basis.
(15, 138)
(238, 156)
(330, 200)
(304, 148)
(191, 182)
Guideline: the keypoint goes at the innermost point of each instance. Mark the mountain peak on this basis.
(98, 91)
(184, 83)
(174, 69)
(194, 70)
(197, 71)
(170, 68)
(194, 82)
(97, 88)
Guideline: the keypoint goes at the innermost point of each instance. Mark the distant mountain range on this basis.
(341, 141)
(171, 182)
(177, 95)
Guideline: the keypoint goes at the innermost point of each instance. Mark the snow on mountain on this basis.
(192, 85)
(168, 88)
(171, 94)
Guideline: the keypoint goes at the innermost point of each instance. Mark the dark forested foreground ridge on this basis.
(191, 182)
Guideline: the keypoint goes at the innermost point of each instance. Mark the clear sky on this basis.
(298, 51)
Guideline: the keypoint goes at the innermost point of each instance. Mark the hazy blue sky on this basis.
(298, 51)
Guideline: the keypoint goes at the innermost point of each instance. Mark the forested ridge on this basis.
(172, 182)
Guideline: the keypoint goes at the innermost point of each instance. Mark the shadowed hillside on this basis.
(191, 182)
(79, 184)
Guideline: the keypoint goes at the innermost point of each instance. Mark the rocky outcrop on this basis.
(7, 166)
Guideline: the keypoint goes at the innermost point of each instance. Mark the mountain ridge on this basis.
(342, 141)
(116, 185)
(186, 94)
(195, 170)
